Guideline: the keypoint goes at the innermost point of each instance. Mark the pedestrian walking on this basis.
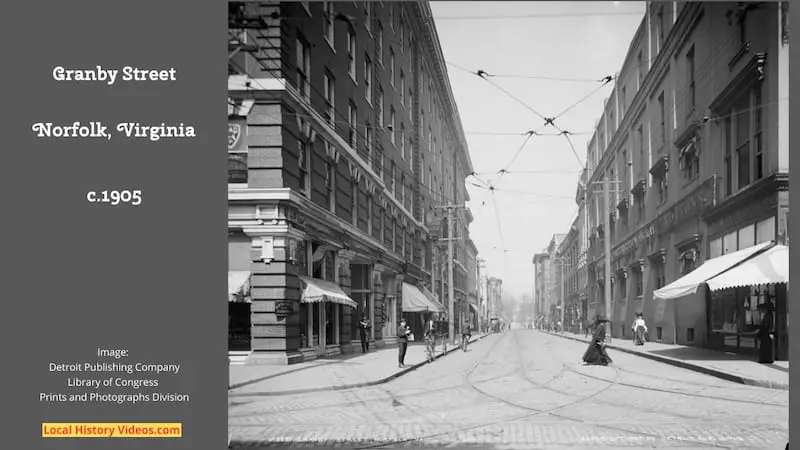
(587, 328)
(639, 330)
(430, 338)
(596, 352)
(402, 342)
(363, 327)
(765, 354)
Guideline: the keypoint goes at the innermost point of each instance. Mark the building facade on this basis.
(567, 255)
(494, 297)
(554, 291)
(344, 144)
(694, 143)
(541, 269)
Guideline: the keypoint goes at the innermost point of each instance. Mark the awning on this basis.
(771, 266)
(239, 286)
(315, 291)
(415, 301)
(689, 283)
(474, 308)
(432, 298)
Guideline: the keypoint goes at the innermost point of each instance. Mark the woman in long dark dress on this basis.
(765, 340)
(596, 353)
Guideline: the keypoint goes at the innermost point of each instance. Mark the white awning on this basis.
(771, 266)
(415, 301)
(689, 283)
(239, 286)
(433, 299)
(315, 291)
(474, 308)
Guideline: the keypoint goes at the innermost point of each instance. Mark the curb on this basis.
(689, 366)
(348, 386)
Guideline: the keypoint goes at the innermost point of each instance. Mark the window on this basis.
(402, 88)
(661, 275)
(327, 14)
(715, 248)
(368, 139)
(379, 43)
(639, 275)
(302, 165)
(403, 190)
(352, 122)
(391, 66)
(623, 103)
(391, 15)
(690, 160)
(622, 287)
(392, 129)
(411, 153)
(659, 333)
(330, 97)
(354, 201)
(368, 78)
(411, 104)
(662, 119)
(368, 16)
(743, 151)
(639, 71)
(765, 230)
(757, 138)
(662, 188)
(380, 163)
(742, 124)
(303, 68)
(690, 93)
(393, 175)
(660, 28)
(402, 31)
(640, 136)
(351, 53)
(329, 181)
(403, 141)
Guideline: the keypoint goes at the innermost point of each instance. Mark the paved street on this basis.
(522, 389)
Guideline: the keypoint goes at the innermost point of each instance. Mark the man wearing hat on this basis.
(402, 342)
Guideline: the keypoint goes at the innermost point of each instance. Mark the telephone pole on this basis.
(450, 287)
(479, 265)
(609, 312)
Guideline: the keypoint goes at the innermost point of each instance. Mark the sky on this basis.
(586, 41)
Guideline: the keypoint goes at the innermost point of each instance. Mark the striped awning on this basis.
(239, 286)
(316, 291)
(432, 298)
(689, 283)
(770, 267)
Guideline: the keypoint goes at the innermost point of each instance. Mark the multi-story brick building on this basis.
(695, 139)
(494, 296)
(566, 263)
(344, 137)
(541, 297)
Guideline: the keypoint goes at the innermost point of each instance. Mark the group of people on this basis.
(431, 329)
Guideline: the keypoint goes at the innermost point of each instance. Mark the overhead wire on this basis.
(543, 16)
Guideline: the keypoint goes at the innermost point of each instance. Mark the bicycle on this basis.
(430, 348)
(464, 341)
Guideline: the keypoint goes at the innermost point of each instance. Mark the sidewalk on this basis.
(736, 368)
(349, 371)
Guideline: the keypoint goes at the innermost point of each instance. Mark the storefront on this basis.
(736, 287)
(418, 307)
(741, 299)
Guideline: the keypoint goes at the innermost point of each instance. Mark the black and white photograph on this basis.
(508, 225)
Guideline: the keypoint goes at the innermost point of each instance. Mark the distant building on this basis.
(494, 296)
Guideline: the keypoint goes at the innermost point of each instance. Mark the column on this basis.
(275, 293)
(343, 258)
(379, 303)
(398, 296)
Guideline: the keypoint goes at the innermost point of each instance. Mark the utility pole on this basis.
(607, 250)
(562, 262)
(480, 261)
(450, 286)
(606, 184)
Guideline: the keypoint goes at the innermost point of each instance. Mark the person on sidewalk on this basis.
(639, 330)
(430, 338)
(596, 352)
(765, 354)
(587, 328)
(466, 333)
(363, 327)
(402, 342)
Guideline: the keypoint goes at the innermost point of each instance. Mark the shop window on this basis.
(758, 295)
(747, 236)
(639, 283)
(690, 334)
(765, 230)
(715, 248)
